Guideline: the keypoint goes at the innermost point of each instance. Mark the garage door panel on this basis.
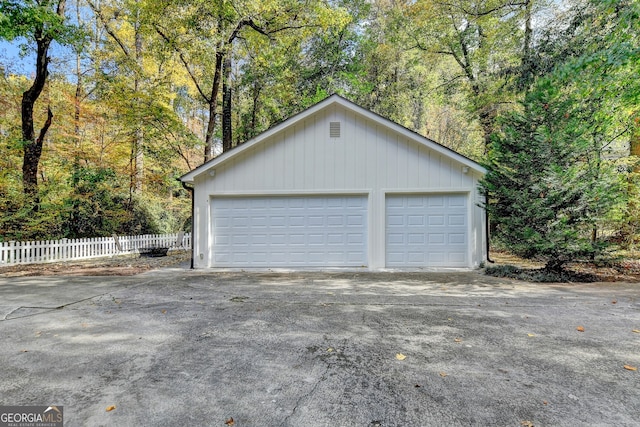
(436, 238)
(356, 220)
(395, 239)
(416, 257)
(426, 231)
(356, 239)
(335, 239)
(316, 221)
(335, 221)
(355, 259)
(456, 220)
(458, 201)
(289, 231)
(316, 239)
(435, 220)
(277, 222)
(296, 203)
(395, 221)
(457, 257)
(297, 221)
(415, 203)
(436, 259)
(457, 239)
(415, 239)
(435, 201)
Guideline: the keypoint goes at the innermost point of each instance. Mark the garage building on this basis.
(338, 186)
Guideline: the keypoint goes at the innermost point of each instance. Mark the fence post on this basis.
(63, 243)
(15, 252)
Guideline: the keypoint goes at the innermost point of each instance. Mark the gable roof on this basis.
(329, 101)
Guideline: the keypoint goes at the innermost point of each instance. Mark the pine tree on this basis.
(547, 183)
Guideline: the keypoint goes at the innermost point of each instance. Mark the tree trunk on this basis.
(226, 105)
(213, 103)
(527, 62)
(138, 143)
(634, 141)
(76, 105)
(254, 110)
(33, 146)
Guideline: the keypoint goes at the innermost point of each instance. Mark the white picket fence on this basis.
(12, 253)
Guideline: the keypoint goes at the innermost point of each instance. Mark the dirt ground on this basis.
(129, 265)
(626, 270)
(126, 265)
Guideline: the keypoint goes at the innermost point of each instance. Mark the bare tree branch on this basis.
(184, 62)
(478, 13)
(108, 28)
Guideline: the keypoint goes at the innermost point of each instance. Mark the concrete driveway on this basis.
(191, 348)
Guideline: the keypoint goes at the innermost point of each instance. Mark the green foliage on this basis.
(22, 18)
(442, 69)
(33, 19)
(18, 220)
(95, 207)
(99, 205)
(548, 186)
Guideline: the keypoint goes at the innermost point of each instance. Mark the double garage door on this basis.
(420, 231)
(290, 231)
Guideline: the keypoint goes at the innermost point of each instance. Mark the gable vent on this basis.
(334, 129)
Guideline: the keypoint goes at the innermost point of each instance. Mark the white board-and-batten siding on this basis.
(366, 156)
(369, 158)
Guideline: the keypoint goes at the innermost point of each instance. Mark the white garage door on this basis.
(289, 231)
(427, 231)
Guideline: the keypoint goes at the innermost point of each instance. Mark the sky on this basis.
(11, 60)
(14, 63)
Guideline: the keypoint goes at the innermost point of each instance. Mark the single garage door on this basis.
(427, 231)
(289, 231)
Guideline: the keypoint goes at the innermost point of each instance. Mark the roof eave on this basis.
(190, 176)
(465, 161)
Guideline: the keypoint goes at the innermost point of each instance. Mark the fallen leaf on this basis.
(111, 408)
(329, 350)
(630, 368)
(443, 374)
(531, 335)
(458, 340)
(230, 422)
(636, 331)
(400, 356)
(580, 329)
